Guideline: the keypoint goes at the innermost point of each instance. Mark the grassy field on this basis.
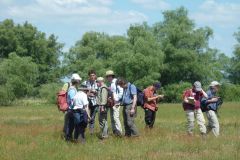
(33, 131)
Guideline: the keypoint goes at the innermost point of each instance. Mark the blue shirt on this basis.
(211, 94)
(72, 91)
(128, 94)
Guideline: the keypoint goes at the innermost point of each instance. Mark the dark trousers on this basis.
(129, 124)
(93, 113)
(68, 125)
(150, 117)
(80, 123)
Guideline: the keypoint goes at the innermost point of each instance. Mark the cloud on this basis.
(80, 12)
(223, 14)
(153, 4)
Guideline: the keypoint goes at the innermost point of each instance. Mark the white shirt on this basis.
(117, 90)
(80, 100)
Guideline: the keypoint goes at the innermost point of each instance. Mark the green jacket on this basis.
(102, 96)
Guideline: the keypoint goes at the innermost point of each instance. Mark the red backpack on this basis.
(62, 100)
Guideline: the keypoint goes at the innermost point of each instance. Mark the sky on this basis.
(70, 19)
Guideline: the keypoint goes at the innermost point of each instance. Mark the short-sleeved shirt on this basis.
(72, 91)
(128, 94)
(211, 94)
(197, 97)
(80, 100)
(149, 93)
(116, 90)
(92, 85)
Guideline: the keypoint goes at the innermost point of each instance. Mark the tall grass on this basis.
(33, 131)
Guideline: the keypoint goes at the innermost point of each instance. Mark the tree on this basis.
(18, 77)
(26, 40)
(183, 46)
(235, 61)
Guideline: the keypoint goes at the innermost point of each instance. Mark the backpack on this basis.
(205, 106)
(140, 97)
(62, 100)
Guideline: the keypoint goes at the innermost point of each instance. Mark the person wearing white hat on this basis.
(72, 91)
(191, 106)
(211, 105)
(115, 109)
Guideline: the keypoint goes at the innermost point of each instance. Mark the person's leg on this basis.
(127, 129)
(93, 112)
(103, 123)
(200, 121)
(148, 117)
(112, 120)
(76, 125)
(213, 122)
(190, 121)
(116, 119)
(82, 126)
(130, 122)
(153, 119)
(69, 125)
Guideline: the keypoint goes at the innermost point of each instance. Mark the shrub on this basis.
(49, 91)
(230, 92)
(173, 92)
(6, 95)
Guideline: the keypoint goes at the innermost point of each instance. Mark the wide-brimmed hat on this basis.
(214, 83)
(110, 73)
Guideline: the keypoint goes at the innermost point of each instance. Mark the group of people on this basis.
(101, 95)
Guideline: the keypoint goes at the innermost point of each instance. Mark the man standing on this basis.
(129, 102)
(212, 104)
(102, 98)
(69, 119)
(117, 92)
(92, 95)
(150, 103)
(191, 105)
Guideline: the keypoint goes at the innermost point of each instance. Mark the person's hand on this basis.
(160, 96)
(215, 99)
(132, 111)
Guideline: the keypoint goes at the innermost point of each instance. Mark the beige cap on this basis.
(100, 79)
(76, 77)
(110, 73)
(214, 83)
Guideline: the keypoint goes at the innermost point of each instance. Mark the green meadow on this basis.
(32, 131)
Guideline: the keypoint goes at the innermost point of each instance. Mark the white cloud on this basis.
(153, 4)
(222, 14)
(80, 12)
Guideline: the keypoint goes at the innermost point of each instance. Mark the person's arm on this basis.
(155, 98)
(204, 94)
(88, 111)
(185, 99)
(212, 100)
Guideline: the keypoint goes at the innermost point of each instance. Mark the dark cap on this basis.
(157, 85)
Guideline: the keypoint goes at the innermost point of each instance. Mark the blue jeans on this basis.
(68, 125)
(80, 123)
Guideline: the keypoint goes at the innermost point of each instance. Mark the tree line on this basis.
(173, 51)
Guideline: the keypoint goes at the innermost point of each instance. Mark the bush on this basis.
(230, 92)
(18, 75)
(49, 91)
(6, 95)
(173, 92)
